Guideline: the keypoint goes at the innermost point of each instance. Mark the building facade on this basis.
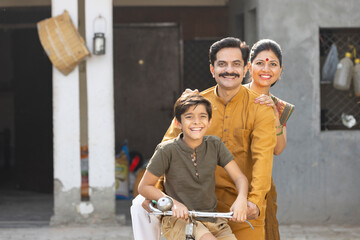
(98, 103)
(316, 175)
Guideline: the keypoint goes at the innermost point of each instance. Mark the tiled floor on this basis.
(27, 209)
(331, 232)
(26, 215)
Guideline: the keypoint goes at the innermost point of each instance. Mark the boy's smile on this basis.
(194, 124)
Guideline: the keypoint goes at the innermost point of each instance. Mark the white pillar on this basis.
(66, 129)
(100, 92)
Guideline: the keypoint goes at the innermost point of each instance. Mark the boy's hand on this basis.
(179, 210)
(239, 208)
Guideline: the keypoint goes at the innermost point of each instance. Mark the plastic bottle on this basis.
(122, 173)
(344, 73)
(84, 171)
(356, 77)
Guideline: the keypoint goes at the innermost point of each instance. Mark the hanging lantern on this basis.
(99, 44)
(99, 36)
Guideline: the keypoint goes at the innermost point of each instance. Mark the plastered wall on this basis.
(317, 176)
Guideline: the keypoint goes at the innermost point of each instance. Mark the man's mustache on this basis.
(225, 74)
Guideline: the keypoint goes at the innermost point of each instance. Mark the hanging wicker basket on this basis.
(62, 42)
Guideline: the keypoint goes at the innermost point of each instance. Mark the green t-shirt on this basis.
(194, 186)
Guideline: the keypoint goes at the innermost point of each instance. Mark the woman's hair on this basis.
(228, 42)
(190, 99)
(266, 45)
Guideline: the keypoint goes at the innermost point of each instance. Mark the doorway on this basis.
(147, 82)
(28, 162)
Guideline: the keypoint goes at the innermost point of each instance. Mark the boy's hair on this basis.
(190, 99)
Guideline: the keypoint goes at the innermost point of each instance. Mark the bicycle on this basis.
(164, 204)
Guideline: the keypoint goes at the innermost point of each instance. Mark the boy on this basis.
(188, 163)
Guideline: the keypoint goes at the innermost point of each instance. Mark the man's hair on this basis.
(229, 42)
(188, 100)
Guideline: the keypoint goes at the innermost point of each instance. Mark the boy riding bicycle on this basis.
(188, 163)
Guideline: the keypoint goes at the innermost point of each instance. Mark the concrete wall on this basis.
(100, 99)
(174, 3)
(66, 129)
(68, 207)
(22, 3)
(243, 20)
(317, 176)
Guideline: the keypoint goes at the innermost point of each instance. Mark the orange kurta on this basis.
(248, 131)
(271, 223)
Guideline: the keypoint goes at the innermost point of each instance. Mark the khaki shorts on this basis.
(174, 228)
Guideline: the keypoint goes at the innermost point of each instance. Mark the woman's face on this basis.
(265, 69)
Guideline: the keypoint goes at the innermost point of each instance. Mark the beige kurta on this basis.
(248, 131)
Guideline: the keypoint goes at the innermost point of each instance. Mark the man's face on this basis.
(229, 68)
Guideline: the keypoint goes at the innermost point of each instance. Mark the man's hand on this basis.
(252, 211)
(145, 205)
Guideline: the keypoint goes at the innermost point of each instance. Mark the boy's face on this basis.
(194, 123)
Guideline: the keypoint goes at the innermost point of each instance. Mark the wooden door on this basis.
(147, 75)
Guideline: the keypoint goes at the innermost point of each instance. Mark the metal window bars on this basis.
(336, 102)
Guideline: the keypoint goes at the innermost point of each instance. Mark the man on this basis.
(247, 130)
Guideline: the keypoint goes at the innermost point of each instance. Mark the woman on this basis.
(265, 67)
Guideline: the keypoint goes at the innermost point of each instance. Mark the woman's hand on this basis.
(188, 90)
(239, 208)
(179, 210)
(265, 99)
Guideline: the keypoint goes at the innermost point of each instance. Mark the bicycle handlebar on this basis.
(155, 211)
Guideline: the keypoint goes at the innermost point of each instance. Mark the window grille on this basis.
(196, 64)
(336, 102)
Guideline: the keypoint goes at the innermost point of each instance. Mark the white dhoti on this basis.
(145, 227)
